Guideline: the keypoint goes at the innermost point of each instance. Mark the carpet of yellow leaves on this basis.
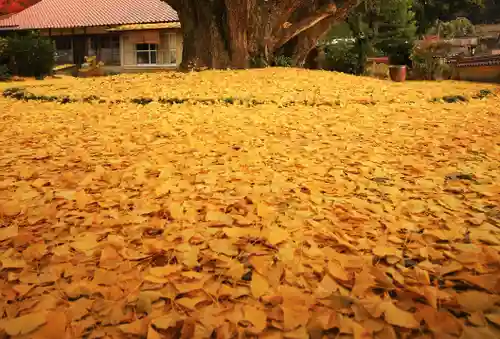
(375, 217)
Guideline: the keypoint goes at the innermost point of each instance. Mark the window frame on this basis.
(172, 46)
(149, 52)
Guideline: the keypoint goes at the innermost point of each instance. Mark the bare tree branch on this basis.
(283, 11)
(287, 33)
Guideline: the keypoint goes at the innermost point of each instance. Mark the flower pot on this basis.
(397, 73)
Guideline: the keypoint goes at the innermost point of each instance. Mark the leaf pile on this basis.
(188, 221)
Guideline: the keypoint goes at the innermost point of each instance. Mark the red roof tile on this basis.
(88, 13)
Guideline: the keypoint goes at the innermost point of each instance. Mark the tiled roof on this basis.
(476, 61)
(5, 22)
(88, 13)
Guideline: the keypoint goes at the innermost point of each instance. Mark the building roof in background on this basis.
(88, 13)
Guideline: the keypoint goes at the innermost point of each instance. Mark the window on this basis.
(64, 50)
(169, 48)
(147, 54)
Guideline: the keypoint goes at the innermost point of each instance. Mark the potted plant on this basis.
(399, 57)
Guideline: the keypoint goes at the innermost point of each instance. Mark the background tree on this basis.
(232, 33)
(460, 27)
(428, 12)
(385, 26)
(489, 13)
(396, 34)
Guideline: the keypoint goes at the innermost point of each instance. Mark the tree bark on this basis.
(232, 33)
(287, 33)
(300, 48)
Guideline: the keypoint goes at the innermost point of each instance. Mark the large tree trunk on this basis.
(234, 33)
(204, 32)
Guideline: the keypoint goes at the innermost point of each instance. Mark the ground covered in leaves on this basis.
(270, 203)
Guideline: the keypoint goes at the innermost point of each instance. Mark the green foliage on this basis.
(3, 46)
(484, 93)
(460, 27)
(386, 26)
(4, 73)
(341, 56)
(4, 68)
(428, 60)
(283, 61)
(396, 33)
(29, 54)
(428, 12)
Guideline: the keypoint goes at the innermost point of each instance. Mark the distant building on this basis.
(126, 35)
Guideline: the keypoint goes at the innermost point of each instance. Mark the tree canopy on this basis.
(428, 12)
(14, 6)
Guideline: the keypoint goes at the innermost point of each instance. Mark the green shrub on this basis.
(341, 56)
(283, 61)
(4, 73)
(398, 50)
(258, 62)
(428, 60)
(30, 55)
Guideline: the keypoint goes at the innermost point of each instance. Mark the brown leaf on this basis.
(474, 301)
(23, 289)
(398, 317)
(176, 211)
(337, 271)
(80, 308)
(13, 263)
(109, 253)
(494, 318)
(256, 317)
(143, 304)
(82, 199)
(453, 266)
(327, 287)
(190, 303)
(363, 282)
(236, 271)
(55, 328)
(85, 243)
(259, 285)
(276, 235)
(24, 324)
(386, 251)
(219, 218)
(165, 271)
(8, 232)
(261, 263)
(223, 246)
(137, 328)
(10, 208)
(152, 334)
(165, 322)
